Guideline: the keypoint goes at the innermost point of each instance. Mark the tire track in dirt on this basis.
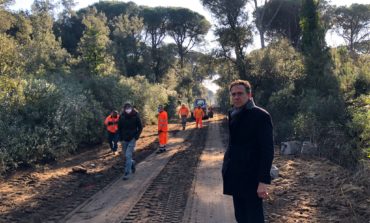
(51, 192)
(165, 199)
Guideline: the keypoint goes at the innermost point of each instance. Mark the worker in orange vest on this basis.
(162, 129)
(111, 123)
(183, 114)
(198, 115)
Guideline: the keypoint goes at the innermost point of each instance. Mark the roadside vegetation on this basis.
(61, 74)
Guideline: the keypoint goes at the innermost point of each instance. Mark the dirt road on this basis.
(181, 185)
(206, 202)
(157, 176)
(48, 193)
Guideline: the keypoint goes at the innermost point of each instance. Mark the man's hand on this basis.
(262, 191)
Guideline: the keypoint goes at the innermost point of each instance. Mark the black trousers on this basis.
(113, 141)
(248, 210)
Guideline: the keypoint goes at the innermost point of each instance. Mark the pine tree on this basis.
(316, 53)
(322, 116)
(94, 44)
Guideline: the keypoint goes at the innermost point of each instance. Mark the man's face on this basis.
(239, 96)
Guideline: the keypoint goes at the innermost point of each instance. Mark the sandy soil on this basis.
(316, 190)
(206, 202)
(49, 192)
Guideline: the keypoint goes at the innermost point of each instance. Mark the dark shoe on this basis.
(133, 166)
(126, 177)
(161, 150)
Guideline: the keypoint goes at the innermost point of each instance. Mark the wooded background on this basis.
(61, 74)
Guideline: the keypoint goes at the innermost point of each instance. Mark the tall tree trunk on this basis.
(262, 37)
(259, 25)
(241, 63)
(259, 21)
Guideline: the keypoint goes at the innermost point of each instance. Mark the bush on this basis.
(145, 96)
(27, 121)
(223, 99)
(172, 106)
(360, 124)
(78, 119)
(283, 107)
(41, 122)
(109, 92)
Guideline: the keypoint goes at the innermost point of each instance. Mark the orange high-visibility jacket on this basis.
(163, 121)
(198, 113)
(184, 111)
(111, 123)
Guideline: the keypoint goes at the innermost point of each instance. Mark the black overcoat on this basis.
(129, 126)
(250, 152)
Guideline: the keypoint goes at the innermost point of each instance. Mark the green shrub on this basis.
(360, 124)
(40, 122)
(109, 92)
(78, 120)
(283, 107)
(26, 123)
(223, 99)
(145, 96)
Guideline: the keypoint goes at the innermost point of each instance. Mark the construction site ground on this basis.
(183, 184)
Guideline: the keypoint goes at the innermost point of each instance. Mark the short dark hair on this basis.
(127, 105)
(246, 84)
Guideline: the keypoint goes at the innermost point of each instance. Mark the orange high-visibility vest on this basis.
(163, 121)
(198, 113)
(111, 123)
(184, 111)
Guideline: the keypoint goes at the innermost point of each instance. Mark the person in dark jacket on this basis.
(248, 158)
(129, 130)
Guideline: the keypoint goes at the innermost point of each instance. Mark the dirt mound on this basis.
(316, 190)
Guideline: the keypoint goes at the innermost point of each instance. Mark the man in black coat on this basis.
(129, 130)
(248, 158)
